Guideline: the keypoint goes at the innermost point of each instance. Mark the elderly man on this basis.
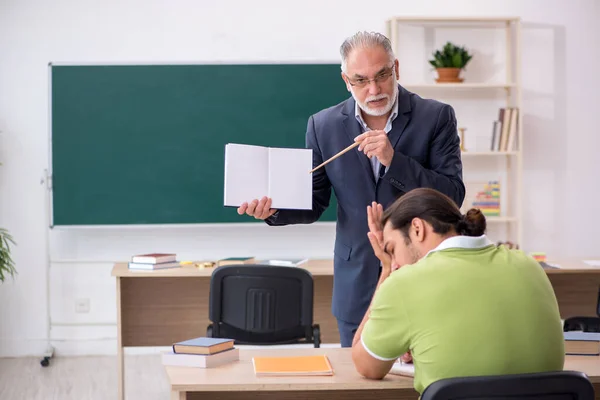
(406, 142)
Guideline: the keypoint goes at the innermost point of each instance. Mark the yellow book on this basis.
(303, 365)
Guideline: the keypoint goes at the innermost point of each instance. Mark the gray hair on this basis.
(365, 40)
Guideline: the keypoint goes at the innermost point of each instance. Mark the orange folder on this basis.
(303, 365)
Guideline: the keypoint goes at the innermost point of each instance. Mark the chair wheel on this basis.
(45, 361)
(209, 331)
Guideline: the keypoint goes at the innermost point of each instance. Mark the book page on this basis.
(290, 184)
(246, 173)
(402, 368)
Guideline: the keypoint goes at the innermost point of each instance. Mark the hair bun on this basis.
(473, 223)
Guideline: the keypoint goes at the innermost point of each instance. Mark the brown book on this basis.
(582, 343)
(235, 260)
(512, 131)
(505, 128)
(203, 345)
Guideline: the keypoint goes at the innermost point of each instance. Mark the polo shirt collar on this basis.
(463, 242)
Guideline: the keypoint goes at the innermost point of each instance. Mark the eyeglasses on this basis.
(380, 78)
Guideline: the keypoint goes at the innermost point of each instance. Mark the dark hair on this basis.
(437, 209)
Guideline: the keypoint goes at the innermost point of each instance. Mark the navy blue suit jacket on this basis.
(427, 154)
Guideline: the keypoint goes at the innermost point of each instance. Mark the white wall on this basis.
(560, 68)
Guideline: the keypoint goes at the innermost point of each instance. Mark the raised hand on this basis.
(374, 214)
(259, 209)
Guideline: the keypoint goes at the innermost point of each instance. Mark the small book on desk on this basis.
(200, 360)
(235, 261)
(203, 345)
(252, 172)
(402, 368)
(153, 258)
(301, 366)
(582, 343)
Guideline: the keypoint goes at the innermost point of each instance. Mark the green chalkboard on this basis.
(144, 144)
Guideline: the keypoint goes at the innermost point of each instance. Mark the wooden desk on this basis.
(237, 380)
(159, 308)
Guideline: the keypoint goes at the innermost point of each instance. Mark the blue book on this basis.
(203, 345)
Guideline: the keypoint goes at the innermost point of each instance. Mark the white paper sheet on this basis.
(592, 263)
(405, 369)
(282, 174)
(246, 176)
(290, 184)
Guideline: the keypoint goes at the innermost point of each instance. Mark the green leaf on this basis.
(457, 60)
(7, 266)
(450, 56)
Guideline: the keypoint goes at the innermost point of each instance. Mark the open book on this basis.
(252, 172)
(402, 368)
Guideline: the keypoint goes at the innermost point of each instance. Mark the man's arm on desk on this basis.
(382, 336)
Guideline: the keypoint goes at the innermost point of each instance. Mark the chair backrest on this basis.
(560, 385)
(585, 324)
(261, 303)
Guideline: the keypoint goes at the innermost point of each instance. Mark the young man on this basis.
(453, 301)
(406, 142)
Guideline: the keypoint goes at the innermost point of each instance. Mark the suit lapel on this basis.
(403, 117)
(353, 129)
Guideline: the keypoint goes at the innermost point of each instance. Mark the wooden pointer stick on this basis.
(334, 157)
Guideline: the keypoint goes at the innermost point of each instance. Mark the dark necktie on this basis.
(381, 170)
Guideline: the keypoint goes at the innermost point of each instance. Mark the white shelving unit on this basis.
(509, 86)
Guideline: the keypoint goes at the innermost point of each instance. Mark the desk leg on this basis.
(120, 361)
(175, 395)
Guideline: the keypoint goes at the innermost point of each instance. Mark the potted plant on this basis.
(449, 62)
(7, 265)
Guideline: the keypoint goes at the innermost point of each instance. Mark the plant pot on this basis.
(448, 75)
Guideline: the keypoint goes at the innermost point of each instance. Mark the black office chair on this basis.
(560, 385)
(262, 304)
(585, 324)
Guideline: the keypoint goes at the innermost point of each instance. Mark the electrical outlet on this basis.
(82, 306)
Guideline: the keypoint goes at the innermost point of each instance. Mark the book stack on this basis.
(202, 352)
(488, 200)
(153, 261)
(504, 131)
(538, 256)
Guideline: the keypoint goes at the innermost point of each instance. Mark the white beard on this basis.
(380, 111)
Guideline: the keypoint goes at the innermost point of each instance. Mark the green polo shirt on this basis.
(467, 308)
